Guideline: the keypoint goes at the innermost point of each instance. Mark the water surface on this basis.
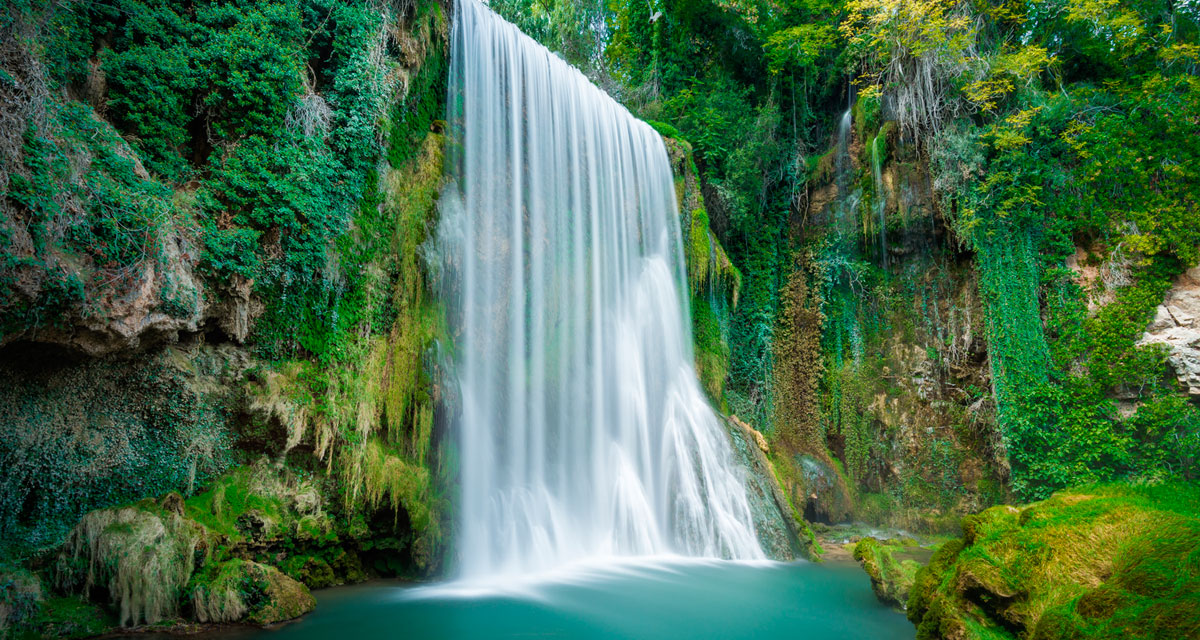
(647, 599)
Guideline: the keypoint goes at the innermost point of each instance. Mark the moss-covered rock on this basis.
(1100, 562)
(891, 577)
(714, 281)
(141, 555)
(262, 505)
(312, 570)
(245, 591)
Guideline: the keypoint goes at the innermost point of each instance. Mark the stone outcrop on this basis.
(246, 591)
(160, 301)
(779, 532)
(891, 573)
(1176, 326)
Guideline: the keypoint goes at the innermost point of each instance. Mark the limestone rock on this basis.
(156, 302)
(1176, 325)
(141, 555)
(825, 496)
(777, 530)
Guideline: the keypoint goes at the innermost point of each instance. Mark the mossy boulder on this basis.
(141, 555)
(171, 559)
(245, 591)
(314, 571)
(891, 578)
(1098, 562)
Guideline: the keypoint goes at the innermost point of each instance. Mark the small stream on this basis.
(667, 598)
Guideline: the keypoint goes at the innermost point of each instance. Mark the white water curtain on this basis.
(583, 430)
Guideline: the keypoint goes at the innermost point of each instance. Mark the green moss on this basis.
(665, 130)
(66, 618)
(866, 115)
(243, 591)
(891, 579)
(411, 119)
(1094, 562)
(313, 571)
(224, 507)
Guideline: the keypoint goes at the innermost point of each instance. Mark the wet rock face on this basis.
(1176, 326)
(824, 498)
(778, 532)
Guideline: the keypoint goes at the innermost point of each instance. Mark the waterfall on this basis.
(880, 198)
(583, 430)
(846, 208)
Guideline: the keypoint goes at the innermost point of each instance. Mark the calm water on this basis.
(667, 599)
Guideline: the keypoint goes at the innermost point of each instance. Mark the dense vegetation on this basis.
(1028, 136)
(248, 183)
(925, 239)
(1035, 572)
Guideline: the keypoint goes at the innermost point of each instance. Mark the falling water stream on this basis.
(583, 429)
(600, 498)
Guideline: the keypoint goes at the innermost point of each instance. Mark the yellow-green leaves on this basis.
(1006, 73)
(1118, 25)
(798, 46)
(914, 50)
(1011, 132)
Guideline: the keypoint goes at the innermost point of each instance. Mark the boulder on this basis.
(245, 591)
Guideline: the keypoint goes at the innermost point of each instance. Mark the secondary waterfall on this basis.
(583, 430)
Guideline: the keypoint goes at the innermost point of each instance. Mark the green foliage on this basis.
(253, 57)
(79, 438)
(412, 117)
(78, 163)
(263, 128)
(1108, 169)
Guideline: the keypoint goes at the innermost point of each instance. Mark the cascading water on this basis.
(880, 198)
(583, 429)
